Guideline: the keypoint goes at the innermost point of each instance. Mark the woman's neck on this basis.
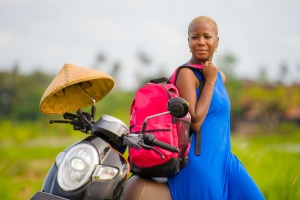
(196, 61)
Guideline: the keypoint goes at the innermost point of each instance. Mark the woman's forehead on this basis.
(202, 26)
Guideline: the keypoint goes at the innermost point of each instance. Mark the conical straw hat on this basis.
(64, 95)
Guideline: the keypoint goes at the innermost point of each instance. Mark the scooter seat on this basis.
(138, 188)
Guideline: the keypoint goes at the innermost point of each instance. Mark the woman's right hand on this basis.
(210, 72)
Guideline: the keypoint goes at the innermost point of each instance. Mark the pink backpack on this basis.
(152, 99)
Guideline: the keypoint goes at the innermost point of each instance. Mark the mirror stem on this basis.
(86, 93)
(149, 117)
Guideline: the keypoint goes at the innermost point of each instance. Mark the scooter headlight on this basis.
(77, 166)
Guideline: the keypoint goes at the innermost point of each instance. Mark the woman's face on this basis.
(202, 42)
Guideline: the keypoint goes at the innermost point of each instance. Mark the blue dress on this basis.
(217, 173)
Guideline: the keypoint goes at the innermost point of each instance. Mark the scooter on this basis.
(95, 167)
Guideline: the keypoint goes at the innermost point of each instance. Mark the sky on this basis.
(44, 35)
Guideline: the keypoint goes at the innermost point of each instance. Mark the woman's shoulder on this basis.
(187, 76)
(223, 76)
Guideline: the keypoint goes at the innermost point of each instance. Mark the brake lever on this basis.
(148, 147)
(84, 119)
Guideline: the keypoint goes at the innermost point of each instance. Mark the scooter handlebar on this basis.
(150, 139)
(165, 146)
(132, 141)
(146, 141)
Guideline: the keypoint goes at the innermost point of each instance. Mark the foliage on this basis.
(20, 94)
(116, 104)
(24, 164)
(29, 143)
(27, 154)
(268, 103)
(273, 162)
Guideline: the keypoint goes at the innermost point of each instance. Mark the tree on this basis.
(263, 76)
(142, 72)
(227, 62)
(283, 71)
(268, 103)
(21, 94)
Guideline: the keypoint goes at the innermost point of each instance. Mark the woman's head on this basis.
(203, 39)
(203, 19)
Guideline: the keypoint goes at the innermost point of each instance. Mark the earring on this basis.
(216, 50)
(190, 50)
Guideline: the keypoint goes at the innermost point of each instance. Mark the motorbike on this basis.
(95, 167)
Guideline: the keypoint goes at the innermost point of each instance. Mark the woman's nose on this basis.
(201, 41)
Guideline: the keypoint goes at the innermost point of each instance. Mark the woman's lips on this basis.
(201, 51)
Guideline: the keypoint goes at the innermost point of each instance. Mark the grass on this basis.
(272, 160)
(274, 163)
(23, 166)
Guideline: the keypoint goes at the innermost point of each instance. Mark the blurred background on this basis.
(134, 41)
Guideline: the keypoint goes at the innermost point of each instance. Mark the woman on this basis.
(216, 173)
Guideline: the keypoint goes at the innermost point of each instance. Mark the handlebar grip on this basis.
(165, 146)
(150, 139)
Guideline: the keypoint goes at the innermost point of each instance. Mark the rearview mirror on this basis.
(178, 107)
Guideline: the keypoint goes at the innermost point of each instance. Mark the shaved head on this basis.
(203, 19)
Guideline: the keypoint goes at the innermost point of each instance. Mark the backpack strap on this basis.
(173, 79)
(199, 132)
(198, 141)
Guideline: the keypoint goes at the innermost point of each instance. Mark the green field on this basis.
(26, 155)
(274, 163)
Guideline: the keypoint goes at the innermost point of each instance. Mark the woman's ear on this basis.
(217, 42)
(188, 39)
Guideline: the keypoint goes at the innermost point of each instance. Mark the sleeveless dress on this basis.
(216, 174)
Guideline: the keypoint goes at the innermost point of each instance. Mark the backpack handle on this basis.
(159, 80)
